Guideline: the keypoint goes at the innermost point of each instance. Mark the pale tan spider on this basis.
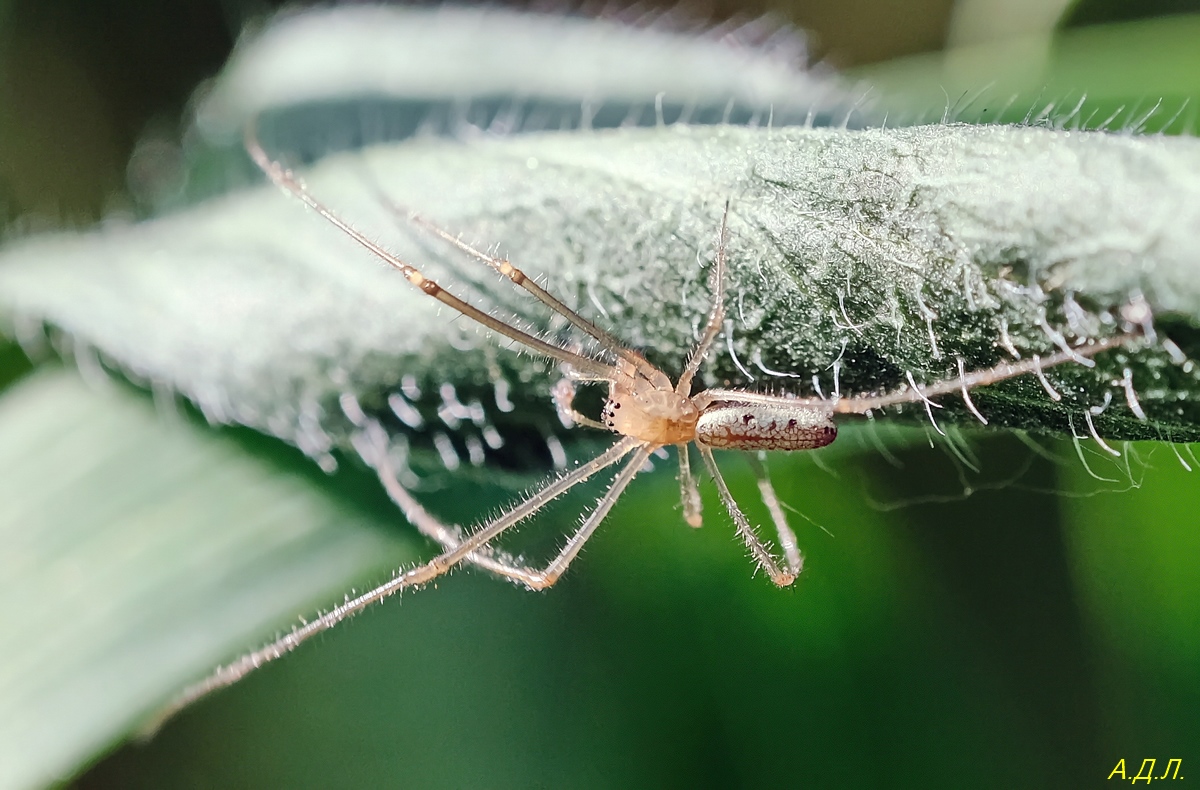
(644, 408)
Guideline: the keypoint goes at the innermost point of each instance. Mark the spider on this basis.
(644, 408)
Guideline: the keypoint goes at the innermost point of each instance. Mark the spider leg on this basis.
(465, 550)
(978, 378)
(503, 266)
(564, 402)
(787, 537)
(689, 494)
(450, 537)
(762, 556)
(922, 392)
(716, 313)
(285, 179)
(532, 578)
(547, 576)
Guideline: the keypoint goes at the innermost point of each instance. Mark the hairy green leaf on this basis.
(880, 253)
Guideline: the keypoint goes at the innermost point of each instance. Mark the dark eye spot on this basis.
(616, 405)
(791, 423)
(747, 419)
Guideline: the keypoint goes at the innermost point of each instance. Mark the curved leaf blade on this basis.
(140, 550)
(889, 252)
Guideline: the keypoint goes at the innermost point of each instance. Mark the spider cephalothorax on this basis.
(658, 416)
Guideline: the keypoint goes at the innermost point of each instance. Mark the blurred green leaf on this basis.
(1143, 75)
(310, 80)
(1092, 12)
(139, 550)
(471, 55)
(1134, 564)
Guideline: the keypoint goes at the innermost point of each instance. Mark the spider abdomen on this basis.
(759, 427)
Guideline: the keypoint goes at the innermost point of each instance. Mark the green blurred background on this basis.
(1030, 634)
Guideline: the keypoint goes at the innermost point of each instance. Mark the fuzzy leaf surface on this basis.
(888, 253)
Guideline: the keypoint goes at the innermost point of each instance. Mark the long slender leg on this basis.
(449, 537)
(863, 404)
(761, 554)
(689, 494)
(503, 266)
(544, 578)
(787, 538)
(231, 673)
(982, 378)
(284, 178)
(716, 311)
(530, 577)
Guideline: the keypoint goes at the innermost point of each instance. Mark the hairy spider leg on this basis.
(689, 492)
(285, 179)
(922, 392)
(231, 673)
(758, 550)
(787, 538)
(503, 266)
(716, 311)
